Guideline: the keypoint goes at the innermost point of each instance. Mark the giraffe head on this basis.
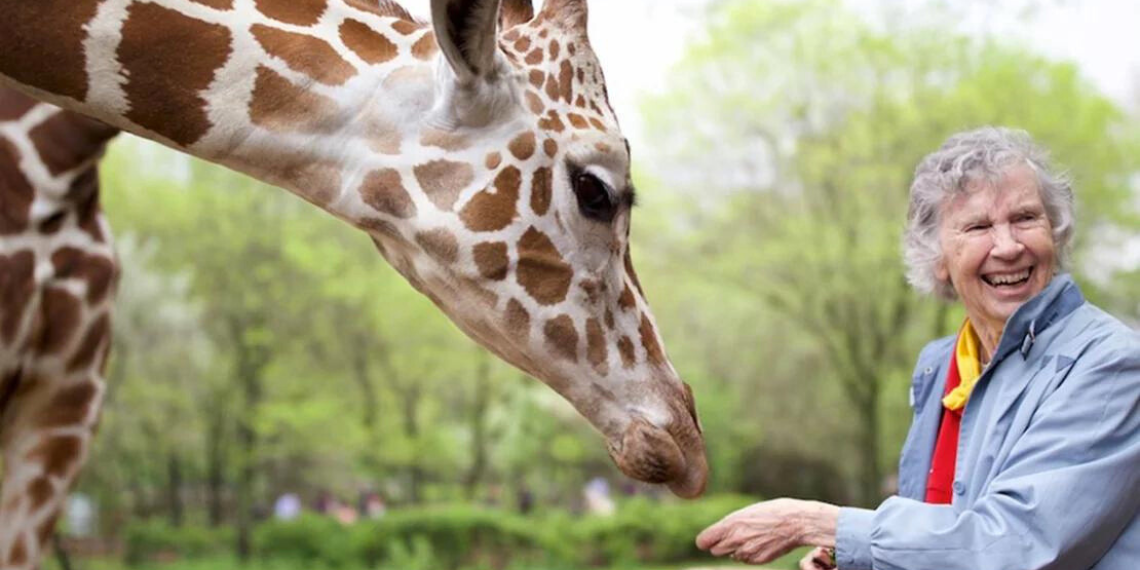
(531, 257)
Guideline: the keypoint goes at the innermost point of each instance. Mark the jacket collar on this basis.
(1059, 298)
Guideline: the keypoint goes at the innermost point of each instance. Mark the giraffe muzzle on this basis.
(674, 457)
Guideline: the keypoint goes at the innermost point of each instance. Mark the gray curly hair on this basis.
(983, 154)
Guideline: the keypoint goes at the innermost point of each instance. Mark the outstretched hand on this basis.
(765, 531)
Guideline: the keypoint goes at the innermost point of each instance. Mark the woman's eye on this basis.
(593, 197)
(977, 227)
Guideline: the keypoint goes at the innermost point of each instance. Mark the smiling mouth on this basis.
(1010, 280)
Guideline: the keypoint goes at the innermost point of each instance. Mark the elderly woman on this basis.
(1024, 451)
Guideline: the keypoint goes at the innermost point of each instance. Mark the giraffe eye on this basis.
(593, 197)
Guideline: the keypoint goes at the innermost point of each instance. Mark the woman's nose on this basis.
(1006, 245)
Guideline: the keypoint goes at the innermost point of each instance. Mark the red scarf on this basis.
(941, 479)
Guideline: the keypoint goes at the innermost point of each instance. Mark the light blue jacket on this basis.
(1048, 470)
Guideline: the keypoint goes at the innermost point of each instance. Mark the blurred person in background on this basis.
(1024, 449)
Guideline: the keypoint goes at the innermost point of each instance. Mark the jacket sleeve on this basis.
(1065, 493)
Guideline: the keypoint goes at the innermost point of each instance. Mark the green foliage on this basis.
(150, 541)
(788, 136)
(437, 538)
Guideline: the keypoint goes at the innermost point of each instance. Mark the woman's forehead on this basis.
(1017, 188)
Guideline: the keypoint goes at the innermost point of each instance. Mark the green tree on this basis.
(808, 122)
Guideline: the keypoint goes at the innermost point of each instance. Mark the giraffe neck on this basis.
(49, 158)
(310, 95)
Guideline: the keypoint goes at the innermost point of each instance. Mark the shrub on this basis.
(158, 541)
(310, 539)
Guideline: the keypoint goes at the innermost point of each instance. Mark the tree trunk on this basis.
(412, 429)
(250, 378)
(479, 407)
(871, 479)
(215, 471)
(174, 489)
(363, 375)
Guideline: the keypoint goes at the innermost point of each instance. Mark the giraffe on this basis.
(479, 152)
(57, 276)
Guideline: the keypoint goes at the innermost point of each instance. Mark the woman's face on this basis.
(997, 246)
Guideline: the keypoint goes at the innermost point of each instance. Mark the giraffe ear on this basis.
(467, 34)
(515, 12)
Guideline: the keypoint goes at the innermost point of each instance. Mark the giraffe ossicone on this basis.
(480, 153)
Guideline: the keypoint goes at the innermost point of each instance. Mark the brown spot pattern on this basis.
(96, 270)
(44, 530)
(384, 191)
(50, 57)
(367, 43)
(299, 12)
(305, 54)
(69, 407)
(443, 180)
(492, 261)
(597, 124)
(561, 337)
(541, 269)
(626, 301)
(440, 244)
(628, 261)
(85, 191)
(19, 553)
(537, 78)
(192, 51)
(317, 182)
(518, 321)
(57, 454)
(425, 47)
(626, 349)
(566, 81)
(493, 160)
(534, 103)
(219, 4)
(279, 105)
(405, 27)
(552, 122)
(65, 140)
(17, 192)
(40, 492)
(596, 352)
(552, 88)
(97, 333)
(17, 285)
(523, 145)
(554, 50)
(534, 57)
(522, 44)
(609, 319)
(653, 351)
(541, 191)
(550, 147)
(487, 211)
(577, 121)
(14, 104)
(446, 140)
(61, 312)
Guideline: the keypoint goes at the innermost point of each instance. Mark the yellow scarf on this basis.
(969, 367)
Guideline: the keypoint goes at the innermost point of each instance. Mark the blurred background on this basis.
(280, 398)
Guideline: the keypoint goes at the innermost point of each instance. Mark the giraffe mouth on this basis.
(673, 457)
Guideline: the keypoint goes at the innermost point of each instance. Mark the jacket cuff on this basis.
(853, 539)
